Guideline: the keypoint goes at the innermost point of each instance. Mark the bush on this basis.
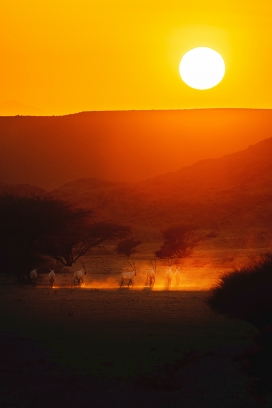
(246, 293)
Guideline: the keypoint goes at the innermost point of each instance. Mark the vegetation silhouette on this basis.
(39, 226)
(179, 241)
(127, 247)
(246, 294)
(79, 234)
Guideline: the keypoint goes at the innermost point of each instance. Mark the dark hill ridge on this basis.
(123, 146)
(234, 191)
(234, 171)
(21, 190)
(231, 192)
(90, 184)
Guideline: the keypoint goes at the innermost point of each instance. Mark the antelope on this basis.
(169, 275)
(34, 276)
(177, 276)
(51, 278)
(128, 276)
(78, 275)
(151, 275)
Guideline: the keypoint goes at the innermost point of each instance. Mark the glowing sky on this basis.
(66, 56)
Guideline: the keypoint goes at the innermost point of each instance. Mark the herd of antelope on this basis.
(127, 278)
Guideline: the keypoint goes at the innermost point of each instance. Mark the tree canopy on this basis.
(127, 247)
(32, 227)
(76, 239)
(179, 241)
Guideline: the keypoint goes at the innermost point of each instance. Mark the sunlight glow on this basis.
(202, 68)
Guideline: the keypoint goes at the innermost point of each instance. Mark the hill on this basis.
(124, 146)
(233, 192)
(21, 189)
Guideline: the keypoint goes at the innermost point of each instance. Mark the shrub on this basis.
(246, 293)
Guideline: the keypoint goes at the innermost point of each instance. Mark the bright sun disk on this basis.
(202, 68)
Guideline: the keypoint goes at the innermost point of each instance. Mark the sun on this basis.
(202, 68)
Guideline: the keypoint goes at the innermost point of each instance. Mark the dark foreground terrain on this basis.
(76, 347)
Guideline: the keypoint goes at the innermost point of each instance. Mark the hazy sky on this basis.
(67, 56)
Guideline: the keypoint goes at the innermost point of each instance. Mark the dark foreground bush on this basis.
(246, 293)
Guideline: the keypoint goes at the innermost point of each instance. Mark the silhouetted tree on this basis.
(127, 247)
(24, 220)
(32, 227)
(179, 241)
(76, 239)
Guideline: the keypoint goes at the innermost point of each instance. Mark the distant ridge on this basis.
(91, 184)
(233, 192)
(21, 189)
(122, 146)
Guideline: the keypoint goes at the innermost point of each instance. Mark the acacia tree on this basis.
(24, 220)
(32, 227)
(179, 241)
(127, 247)
(76, 239)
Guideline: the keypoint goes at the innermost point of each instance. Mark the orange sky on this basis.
(67, 56)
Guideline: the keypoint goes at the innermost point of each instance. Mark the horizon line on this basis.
(133, 110)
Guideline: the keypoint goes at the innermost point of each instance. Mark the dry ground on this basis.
(101, 346)
(110, 348)
(199, 272)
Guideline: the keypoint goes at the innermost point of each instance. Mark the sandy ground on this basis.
(98, 346)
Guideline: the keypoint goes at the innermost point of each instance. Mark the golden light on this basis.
(202, 68)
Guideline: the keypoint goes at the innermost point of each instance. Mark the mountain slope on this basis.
(232, 191)
(21, 189)
(124, 146)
